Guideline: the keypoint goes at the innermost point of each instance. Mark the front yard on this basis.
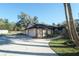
(62, 49)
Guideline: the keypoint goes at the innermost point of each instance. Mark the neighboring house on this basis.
(39, 30)
(2, 31)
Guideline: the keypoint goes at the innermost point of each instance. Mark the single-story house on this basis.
(39, 30)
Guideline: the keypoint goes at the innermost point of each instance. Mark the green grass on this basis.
(62, 49)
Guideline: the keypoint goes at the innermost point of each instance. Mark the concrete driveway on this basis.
(18, 45)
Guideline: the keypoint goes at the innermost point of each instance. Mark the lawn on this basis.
(63, 49)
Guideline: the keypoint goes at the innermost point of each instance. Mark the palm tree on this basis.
(70, 23)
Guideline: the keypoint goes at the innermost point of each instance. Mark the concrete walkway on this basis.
(27, 47)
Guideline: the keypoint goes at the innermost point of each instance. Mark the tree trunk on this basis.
(71, 26)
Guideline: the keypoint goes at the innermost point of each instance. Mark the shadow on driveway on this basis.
(4, 40)
(19, 37)
(30, 45)
(28, 53)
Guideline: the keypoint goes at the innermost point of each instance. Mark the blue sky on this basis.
(46, 13)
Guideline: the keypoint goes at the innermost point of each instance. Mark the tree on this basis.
(12, 26)
(53, 24)
(7, 25)
(59, 25)
(70, 23)
(25, 20)
(2, 24)
(35, 21)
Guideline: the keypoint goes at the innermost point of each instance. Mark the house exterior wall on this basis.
(27, 32)
(31, 32)
(44, 32)
(39, 33)
(49, 31)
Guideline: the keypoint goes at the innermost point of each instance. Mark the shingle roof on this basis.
(43, 26)
(39, 26)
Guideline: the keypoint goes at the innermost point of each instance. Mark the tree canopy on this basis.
(5, 24)
(25, 20)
